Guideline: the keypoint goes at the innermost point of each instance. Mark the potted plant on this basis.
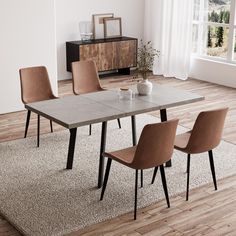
(146, 56)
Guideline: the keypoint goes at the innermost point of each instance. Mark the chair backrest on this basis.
(207, 131)
(35, 84)
(85, 77)
(155, 145)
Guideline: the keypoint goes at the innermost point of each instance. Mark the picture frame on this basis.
(112, 27)
(98, 24)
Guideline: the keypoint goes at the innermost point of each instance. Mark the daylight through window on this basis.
(214, 29)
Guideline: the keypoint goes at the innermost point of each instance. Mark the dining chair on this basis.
(155, 147)
(35, 86)
(204, 137)
(86, 80)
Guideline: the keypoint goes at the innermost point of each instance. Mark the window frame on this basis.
(201, 23)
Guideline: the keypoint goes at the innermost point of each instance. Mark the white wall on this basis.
(27, 39)
(212, 71)
(70, 12)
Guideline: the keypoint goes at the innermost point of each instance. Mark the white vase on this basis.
(144, 87)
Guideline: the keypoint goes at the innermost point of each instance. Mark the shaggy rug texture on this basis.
(39, 197)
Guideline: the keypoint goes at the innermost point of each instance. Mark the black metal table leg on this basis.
(71, 148)
(106, 178)
(119, 124)
(134, 139)
(38, 131)
(102, 149)
(51, 126)
(163, 115)
(134, 136)
(90, 129)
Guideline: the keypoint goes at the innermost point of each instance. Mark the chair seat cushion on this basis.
(124, 156)
(181, 141)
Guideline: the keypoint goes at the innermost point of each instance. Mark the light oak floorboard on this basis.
(207, 212)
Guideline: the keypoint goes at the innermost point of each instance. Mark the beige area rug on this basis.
(39, 197)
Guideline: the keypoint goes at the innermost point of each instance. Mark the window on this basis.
(214, 29)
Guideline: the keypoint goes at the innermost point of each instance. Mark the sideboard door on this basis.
(125, 53)
(89, 52)
(106, 56)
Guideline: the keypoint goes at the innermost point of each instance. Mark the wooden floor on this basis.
(208, 212)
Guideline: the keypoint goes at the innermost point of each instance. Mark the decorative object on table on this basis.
(146, 57)
(86, 30)
(125, 94)
(98, 24)
(144, 87)
(112, 27)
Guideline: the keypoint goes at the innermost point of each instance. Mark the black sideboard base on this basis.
(124, 71)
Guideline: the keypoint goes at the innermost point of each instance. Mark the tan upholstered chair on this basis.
(35, 86)
(155, 147)
(204, 137)
(86, 80)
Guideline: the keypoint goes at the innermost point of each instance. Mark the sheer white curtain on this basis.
(168, 24)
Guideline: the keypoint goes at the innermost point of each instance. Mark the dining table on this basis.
(74, 111)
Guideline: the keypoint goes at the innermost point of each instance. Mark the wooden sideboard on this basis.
(109, 54)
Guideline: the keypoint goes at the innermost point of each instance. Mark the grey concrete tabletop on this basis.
(79, 110)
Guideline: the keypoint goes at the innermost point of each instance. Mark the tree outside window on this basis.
(215, 28)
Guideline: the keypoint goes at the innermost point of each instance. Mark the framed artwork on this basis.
(98, 24)
(112, 27)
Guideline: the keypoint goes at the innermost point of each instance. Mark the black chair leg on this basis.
(27, 123)
(212, 168)
(38, 132)
(141, 178)
(90, 129)
(154, 174)
(136, 195)
(51, 126)
(188, 173)
(163, 178)
(106, 178)
(119, 124)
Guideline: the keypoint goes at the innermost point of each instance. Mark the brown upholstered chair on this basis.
(204, 137)
(35, 86)
(155, 147)
(86, 80)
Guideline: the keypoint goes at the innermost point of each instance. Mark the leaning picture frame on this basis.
(98, 24)
(112, 27)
